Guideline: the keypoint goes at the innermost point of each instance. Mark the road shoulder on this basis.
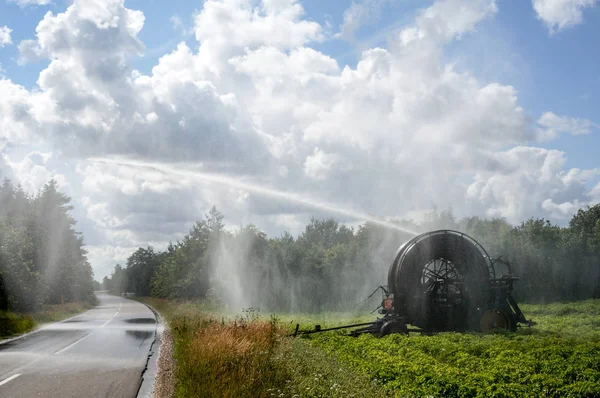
(158, 377)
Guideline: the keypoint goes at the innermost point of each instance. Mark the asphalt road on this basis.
(100, 353)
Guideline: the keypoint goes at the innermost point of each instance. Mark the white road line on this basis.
(72, 344)
(9, 379)
(113, 317)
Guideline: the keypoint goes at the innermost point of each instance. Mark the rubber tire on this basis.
(391, 327)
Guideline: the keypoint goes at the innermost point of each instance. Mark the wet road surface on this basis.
(100, 353)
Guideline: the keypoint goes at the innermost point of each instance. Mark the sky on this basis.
(147, 113)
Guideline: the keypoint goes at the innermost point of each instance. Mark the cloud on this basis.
(319, 164)
(105, 257)
(552, 126)
(34, 171)
(595, 194)
(5, 36)
(359, 14)
(449, 19)
(179, 26)
(564, 210)
(561, 14)
(530, 181)
(255, 103)
(26, 3)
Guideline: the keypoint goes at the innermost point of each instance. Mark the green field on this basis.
(559, 357)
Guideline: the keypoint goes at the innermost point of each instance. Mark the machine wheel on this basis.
(393, 326)
(495, 320)
(440, 280)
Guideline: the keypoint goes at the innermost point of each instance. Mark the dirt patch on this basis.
(164, 384)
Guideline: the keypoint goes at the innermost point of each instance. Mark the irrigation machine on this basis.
(443, 281)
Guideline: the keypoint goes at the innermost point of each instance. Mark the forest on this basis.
(330, 266)
(42, 257)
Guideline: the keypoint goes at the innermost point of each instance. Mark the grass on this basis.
(13, 324)
(250, 356)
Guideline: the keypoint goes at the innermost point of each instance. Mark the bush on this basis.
(12, 324)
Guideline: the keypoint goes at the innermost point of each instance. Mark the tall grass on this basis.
(233, 359)
(223, 357)
(250, 356)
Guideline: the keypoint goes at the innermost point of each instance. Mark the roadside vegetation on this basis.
(220, 354)
(250, 355)
(12, 323)
(326, 270)
(44, 272)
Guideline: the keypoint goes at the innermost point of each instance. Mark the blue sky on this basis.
(378, 106)
(560, 72)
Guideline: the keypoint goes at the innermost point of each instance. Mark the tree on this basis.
(42, 259)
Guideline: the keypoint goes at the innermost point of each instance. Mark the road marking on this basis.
(113, 317)
(9, 379)
(72, 344)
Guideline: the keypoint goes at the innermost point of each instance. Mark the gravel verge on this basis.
(164, 384)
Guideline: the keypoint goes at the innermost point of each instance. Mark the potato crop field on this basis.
(559, 357)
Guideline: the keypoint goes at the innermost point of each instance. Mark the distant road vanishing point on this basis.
(100, 353)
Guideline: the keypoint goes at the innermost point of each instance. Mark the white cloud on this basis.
(290, 222)
(33, 172)
(561, 14)
(5, 36)
(257, 102)
(361, 13)
(105, 257)
(320, 164)
(564, 210)
(528, 181)
(449, 19)
(553, 125)
(25, 3)
(595, 194)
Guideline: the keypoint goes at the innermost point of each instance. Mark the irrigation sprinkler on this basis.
(443, 281)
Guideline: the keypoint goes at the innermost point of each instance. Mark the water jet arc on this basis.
(251, 187)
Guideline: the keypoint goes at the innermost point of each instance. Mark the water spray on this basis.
(251, 187)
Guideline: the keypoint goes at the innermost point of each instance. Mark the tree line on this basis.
(42, 259)
(330, 266)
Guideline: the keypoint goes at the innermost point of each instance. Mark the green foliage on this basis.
(12, 323)
(248, 356)
(42, 260)
(330, 267)
(315, 373)
(558, 357)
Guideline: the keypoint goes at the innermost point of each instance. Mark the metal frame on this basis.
(395, 319)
